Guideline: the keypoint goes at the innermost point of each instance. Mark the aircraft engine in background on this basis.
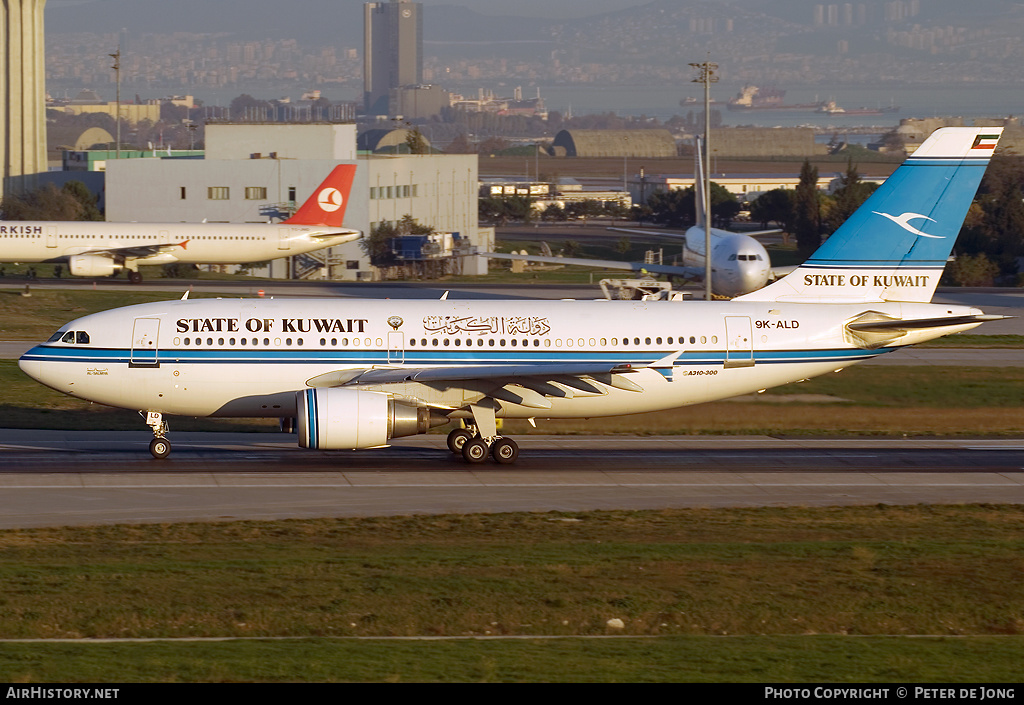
(91, 266)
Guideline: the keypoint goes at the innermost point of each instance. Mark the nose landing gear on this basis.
(160, 447)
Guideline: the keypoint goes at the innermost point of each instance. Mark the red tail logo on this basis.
(327, 204)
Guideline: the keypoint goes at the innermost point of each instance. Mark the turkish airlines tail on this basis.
(894, 247)
(327, 204)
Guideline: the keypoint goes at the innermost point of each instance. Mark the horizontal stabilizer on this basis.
(921, 323)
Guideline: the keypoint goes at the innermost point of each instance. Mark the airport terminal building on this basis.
(255, 172)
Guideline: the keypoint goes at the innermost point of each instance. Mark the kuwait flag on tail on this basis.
(985, 142)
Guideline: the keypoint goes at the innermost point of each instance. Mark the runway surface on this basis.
(51, 478)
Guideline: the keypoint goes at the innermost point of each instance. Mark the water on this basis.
(968, 101)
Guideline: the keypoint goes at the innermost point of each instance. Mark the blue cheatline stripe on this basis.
(417, 358)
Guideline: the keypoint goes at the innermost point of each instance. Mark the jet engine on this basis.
(91, 266)
(353, 418)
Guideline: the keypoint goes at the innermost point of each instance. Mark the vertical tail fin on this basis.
(894, 247)
(327, 204)
(698, 186)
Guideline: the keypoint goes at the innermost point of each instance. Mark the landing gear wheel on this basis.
(505, 451)
(160, 448)
(475, 450)
(457, 439)
(134, 277)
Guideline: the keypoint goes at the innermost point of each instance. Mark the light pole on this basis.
(707, 77)
(116, 56)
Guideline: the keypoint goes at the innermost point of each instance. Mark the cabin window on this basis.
(188, 341)
(266, 341)
(435, 342)
(323, 342)
(288, 341)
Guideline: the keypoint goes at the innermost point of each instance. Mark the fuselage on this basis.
(248, 357)
(190, 243)
(739, 263)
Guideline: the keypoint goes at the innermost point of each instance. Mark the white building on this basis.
(252, 169)
(746, 187)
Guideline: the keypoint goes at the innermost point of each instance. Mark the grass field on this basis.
(727, 594)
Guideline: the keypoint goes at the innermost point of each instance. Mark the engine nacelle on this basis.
(91, 266)
(346, 419)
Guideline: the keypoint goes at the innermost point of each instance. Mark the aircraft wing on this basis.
(655, 233)
(665, 233)
(519, 384)
(137, 251)
(688, 272)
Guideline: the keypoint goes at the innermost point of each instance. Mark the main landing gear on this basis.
(481, 439)
(160, 447)
(475, 449)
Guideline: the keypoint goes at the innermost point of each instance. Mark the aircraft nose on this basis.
(29, 366)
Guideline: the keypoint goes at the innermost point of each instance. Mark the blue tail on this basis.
(894, 247)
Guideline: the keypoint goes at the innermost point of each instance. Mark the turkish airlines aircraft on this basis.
(357, 373)
(98, 249)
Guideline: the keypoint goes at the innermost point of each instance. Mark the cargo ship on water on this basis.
(830, 107)
(754, 98)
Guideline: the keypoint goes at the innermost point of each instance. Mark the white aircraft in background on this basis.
(98, 249)
(355, 374)
(739, 263)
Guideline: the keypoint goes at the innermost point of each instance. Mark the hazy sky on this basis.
(541, 8)
(528, 8)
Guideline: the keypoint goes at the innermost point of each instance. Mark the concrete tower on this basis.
(23, 88)
(392, 50)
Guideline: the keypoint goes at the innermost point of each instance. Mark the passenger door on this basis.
(145, 343)
(739, 341)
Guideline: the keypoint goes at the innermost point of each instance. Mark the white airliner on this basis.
(355, 374)
(98, 249)
(739, 263)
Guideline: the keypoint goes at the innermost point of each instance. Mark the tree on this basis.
(416, 143)
(806, 217)
(85, 197)
(459, 145)
(47, 203)
(852, 192)
(972, 270)
(775, 206)
(378, 245)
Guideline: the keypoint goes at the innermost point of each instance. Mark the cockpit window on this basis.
(55, 337)
(80, 337)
